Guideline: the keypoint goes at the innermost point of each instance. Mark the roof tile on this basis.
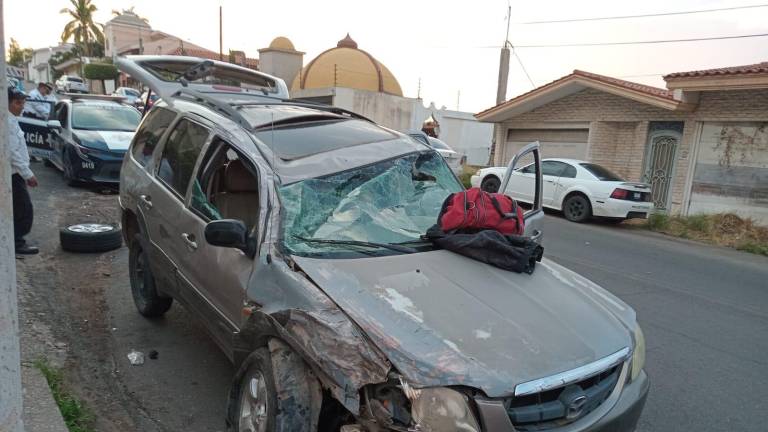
(757, 68)
(652, 91)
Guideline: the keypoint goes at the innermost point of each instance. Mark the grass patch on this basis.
(722, 229)
(76, 415)
(466, 174)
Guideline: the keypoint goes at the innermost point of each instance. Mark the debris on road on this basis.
(153, 354)
(136, 358)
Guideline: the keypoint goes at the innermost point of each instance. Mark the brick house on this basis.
(702, 142)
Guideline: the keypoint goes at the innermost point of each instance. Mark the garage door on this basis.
(563, 143)
(732, 170)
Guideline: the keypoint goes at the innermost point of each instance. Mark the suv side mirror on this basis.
(230, 233)
(54, 124)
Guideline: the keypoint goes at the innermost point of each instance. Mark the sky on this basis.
(452, 48)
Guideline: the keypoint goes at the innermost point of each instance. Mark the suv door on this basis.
(225, 186)
(163, 201)
(534, 218)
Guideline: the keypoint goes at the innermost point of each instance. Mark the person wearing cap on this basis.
(22, 176)
(41, 109)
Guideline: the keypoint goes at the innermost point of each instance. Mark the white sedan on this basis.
(578, 188)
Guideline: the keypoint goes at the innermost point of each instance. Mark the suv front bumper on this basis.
(622, 417)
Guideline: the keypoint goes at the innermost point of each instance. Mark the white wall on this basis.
(458, 129)
(41, 57)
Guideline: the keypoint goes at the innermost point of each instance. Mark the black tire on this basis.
(577, 208)
(90, 237)
(143, 289)
(258, 366)
(491, 184)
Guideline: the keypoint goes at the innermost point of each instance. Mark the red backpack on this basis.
(477, 210)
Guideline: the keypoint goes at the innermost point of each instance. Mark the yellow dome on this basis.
(282, 43)
(347, 66)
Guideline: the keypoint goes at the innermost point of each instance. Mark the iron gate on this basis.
(659, 168)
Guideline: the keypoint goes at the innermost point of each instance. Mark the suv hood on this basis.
(444, 319)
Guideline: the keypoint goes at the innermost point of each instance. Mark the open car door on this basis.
(39, 132)
(166, 75)
(534, 217)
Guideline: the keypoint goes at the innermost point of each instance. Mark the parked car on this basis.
(89, 137)
(578, 188)
(131, 95)
(454, 160)
(293, 231)
(146, 106)
(71, 84)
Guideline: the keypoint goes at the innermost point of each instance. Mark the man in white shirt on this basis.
(42, 109)
(22, 175)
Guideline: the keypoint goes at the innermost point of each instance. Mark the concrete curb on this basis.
(41, 414)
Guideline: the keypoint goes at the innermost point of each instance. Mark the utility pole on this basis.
(418, 91)
(501, 88)
(10, 355)
(221, 37)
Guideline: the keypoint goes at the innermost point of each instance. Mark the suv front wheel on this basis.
(148, 302)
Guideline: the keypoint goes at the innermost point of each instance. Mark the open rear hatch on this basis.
(166, 75)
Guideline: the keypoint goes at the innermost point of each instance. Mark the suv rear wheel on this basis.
(148, 302)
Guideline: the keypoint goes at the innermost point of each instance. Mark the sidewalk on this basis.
(40, 411)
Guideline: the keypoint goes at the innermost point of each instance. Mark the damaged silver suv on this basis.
(294, 231)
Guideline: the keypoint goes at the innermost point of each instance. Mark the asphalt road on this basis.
(703, 310)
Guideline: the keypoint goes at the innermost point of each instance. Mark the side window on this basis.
(530, 169)
(552, 168)
(569, 171)
(149, 134)
(180, 154)
(61, 114)
(226, 186)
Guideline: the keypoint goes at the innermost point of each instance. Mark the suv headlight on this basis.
(638, 356)
(440, 409)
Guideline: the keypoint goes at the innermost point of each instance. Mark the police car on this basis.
(85, 137)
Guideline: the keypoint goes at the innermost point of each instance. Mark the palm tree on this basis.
(82, 27)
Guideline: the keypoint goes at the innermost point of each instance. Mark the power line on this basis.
(522, 66)
(646, 15)
(591, 44)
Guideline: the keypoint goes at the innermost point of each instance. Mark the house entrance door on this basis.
(660, 164)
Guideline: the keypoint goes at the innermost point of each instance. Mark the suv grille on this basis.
(563, 405)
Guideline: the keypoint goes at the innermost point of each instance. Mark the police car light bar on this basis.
(76, 96)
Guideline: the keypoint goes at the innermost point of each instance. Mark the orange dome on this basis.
(347, 66)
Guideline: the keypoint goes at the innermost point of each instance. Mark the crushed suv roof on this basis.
(291, 141)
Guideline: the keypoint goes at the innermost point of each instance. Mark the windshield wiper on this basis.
(394, 247)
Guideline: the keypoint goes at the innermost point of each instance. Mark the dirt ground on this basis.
(62, 302)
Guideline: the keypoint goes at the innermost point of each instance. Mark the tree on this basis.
(17, 55)
(82, 27)
(101, 72)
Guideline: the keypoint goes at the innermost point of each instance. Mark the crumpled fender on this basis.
(332, 346)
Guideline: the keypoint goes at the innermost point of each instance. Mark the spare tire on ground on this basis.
(91, 237)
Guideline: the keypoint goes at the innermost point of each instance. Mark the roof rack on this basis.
(313, 105)
(216, 104)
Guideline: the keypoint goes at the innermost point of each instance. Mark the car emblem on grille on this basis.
(575, 407)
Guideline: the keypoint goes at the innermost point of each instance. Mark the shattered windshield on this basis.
(390, 202)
